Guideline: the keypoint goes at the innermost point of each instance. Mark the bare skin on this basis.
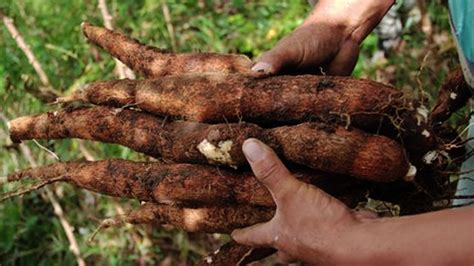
(312, 226)
(327, 41)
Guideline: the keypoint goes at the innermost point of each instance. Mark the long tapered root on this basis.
(222, 219)
(201, 98)
(186, 184)
(152, 62)
(331, 149)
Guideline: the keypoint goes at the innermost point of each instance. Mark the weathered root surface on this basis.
(152, 62)
(220, 98)
(364, 104)
(330, 149)
(232, 253)
(215, 219)
(186, 184)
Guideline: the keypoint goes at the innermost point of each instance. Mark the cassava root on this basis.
(219, 98)
(184, 184)
(453, 95)
(215, 219)
(152, 62)
(328, 148)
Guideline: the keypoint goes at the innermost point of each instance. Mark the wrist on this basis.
(354, 17)
(368, 243)
(353, 244)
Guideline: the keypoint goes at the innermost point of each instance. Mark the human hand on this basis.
(309, 225)
(312, 48)
(327, 41)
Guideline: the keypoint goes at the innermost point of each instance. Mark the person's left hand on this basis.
(309, 225)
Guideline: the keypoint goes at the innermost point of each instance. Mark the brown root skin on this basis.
(222, 219)
(233, 253)
(349, 151)
(280, 99)
(114, 177)
(334, 150)
(187, 184)
(152, 62)
(453, 95)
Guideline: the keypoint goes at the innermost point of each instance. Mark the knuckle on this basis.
(268, 169)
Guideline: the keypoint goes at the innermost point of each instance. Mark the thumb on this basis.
(254, 236)
(269, 170)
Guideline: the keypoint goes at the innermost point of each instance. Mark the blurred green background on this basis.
(30, 233)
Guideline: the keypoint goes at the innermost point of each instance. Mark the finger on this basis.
(268, 64)
(345, 60)
(269, 170)
(287, 52)
(256, 235)
(284, 257)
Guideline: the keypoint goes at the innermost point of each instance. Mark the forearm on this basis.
(358, 17)
(437, 238)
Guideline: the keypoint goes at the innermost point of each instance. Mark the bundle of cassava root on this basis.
(352, 138)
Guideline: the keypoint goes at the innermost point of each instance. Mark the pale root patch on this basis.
(453, 95)
(430, 156)
(422, 114)
(410, 176)
(9, 125)
(208, 259)
(3, 179)
(192, 218)
(216, 251)
(219, 154)
(116, 111)
(426, 133)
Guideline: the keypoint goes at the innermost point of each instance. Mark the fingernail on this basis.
(262, 67)
(253, 150)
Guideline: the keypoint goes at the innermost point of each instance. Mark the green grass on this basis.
(30, 233)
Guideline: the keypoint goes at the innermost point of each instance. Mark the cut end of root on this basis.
(84, 24)
(410, 176)
(3, 179)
